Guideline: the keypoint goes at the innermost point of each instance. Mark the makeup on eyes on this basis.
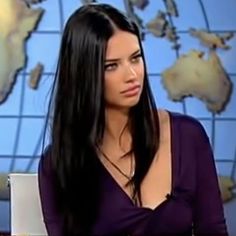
(115, 61)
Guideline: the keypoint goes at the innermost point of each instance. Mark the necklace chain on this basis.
(116, 167)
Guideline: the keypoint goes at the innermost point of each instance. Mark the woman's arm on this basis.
(208, 213)
(52, 218)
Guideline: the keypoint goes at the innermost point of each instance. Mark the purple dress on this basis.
(194, 204)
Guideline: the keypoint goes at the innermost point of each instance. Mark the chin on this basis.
(131, 103)
(126, 103)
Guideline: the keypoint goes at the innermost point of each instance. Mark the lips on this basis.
(131, 91)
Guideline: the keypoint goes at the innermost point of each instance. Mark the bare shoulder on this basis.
(164, 124)
(164, 118)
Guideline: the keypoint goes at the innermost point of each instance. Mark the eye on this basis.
(136, 58)
(110, 67)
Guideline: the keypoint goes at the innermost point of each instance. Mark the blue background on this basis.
(22, 115)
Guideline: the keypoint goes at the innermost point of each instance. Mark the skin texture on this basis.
(124, 72)
(127, 70)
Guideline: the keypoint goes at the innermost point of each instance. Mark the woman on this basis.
(116, 165)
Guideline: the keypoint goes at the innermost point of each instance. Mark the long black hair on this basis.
(78, 118)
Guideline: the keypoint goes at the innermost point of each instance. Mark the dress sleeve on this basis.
(52, 218)
(209, 217)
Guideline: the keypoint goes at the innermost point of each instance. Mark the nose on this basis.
(130, 73)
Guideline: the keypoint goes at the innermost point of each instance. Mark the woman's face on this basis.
(124, 71)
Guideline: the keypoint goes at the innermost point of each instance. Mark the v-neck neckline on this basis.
(172, 151)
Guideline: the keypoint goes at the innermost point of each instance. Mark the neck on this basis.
(116, 128)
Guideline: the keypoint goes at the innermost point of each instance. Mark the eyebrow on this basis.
(117, 59)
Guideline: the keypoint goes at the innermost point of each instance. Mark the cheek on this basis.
(111, 86)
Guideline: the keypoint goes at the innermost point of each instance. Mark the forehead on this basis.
(122, 44)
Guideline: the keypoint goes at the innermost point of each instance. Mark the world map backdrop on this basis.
(22, 114)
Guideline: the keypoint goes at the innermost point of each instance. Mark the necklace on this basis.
(129, 177)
